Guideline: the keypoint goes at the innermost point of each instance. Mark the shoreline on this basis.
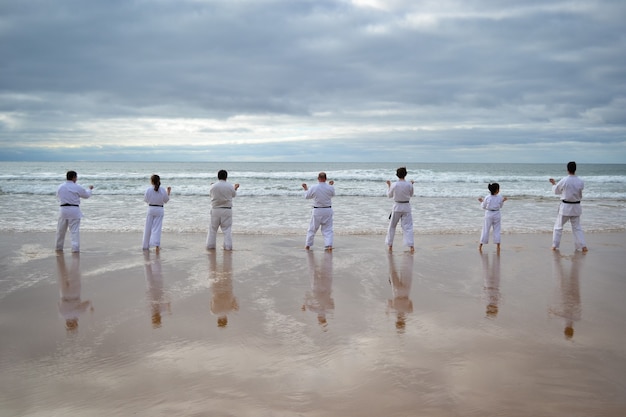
(90, 239)
(272, 329)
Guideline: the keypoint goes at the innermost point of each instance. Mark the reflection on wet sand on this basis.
(156, 293)
(223, 300)
(69, 280)
(401, 280)
(319, 298)
(491, 283)
(273, 359)
(567, 295)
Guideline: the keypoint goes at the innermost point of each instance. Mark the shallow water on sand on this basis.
(272, 330)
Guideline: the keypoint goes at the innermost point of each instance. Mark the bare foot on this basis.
(585, 249)
(307, 248)
(329, 248)
(480, 248)
(390, 248)
(157, 249)
(554, 248)
(498, 249)
(412, 249)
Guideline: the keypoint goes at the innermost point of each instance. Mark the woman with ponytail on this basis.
(156, 197)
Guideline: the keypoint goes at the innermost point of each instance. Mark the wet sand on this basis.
(272, 330)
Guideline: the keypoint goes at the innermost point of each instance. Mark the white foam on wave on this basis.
(270, 199)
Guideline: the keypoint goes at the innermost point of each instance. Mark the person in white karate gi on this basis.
(222, 194)
(69, 194)
(492, 204)
(322, 215)
(401, 191)
(570, 189)
(156, 196)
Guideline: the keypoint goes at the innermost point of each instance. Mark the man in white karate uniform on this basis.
(322, 215)
(570, 189)
(401, 191)
(222, 194)
(69, 194)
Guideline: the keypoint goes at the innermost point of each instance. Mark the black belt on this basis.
(323, 207)
(155, 205)
(570, 202)
(66, 205)
(224, 207)
(402, 201)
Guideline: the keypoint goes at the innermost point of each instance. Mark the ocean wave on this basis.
(295, 191)
(270, 199)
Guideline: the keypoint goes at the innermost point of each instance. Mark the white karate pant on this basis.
(321, 217)
(406, 222)
(220, 218)
(74, 226)
(577, 231)
(152, 230)
(492, 219)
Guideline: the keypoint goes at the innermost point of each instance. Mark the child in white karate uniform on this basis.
(492, 204)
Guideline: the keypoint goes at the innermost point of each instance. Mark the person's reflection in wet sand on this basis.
(69, 280)
(401, 280)
(156, 293)
(491, 283)
(567, 304)
(319, 298)
(223, 301)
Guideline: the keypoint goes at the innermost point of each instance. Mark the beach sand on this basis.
(270, 329)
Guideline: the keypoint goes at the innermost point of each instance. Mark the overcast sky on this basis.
(322, 80)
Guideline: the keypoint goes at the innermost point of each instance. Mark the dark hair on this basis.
(71, 175)
(222, 174)
(156, 181)
(401, 172)
(321, 176)
(571, 167)
(494, 187)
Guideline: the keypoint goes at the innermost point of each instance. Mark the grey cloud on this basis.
(472, 69)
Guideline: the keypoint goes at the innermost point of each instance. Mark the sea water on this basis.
(270, 198)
